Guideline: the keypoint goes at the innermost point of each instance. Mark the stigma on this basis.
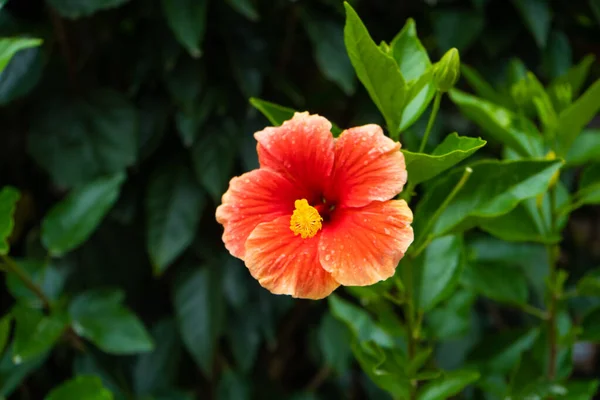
(306, 220)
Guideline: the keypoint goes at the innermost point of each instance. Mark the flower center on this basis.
(306, 220)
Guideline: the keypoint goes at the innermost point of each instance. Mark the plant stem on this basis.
(463, 179)
(13, 267)
(434, 111)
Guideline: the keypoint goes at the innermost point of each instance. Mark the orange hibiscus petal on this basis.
(368, 167)
(287, 264)
(252, 198)
(362, 246)
(301, 148)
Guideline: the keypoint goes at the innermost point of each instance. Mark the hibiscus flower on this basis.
(318, 212)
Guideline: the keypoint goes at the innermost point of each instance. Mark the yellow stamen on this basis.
(305, 220)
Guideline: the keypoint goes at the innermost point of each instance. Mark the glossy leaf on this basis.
(156, 370)
(187, 20)
(277, 114)
(245, 335)
(589, 187)
(537, 17)
(409, 53)
(585, 148)
(452, 319)
(100, 316)
(448, 385)
(499, 282)
(21, 74)
(522, 224)
(377, 71)
(73, 220)
(77, 141)
(83, 8)
(200, 311)
(83, 387)
(577, 116)
(359, 321)
(500, 123)
(422, 167)
(174, 202)
(494, 188)
(9, 197)
(327, 38)
(35, 333)
(334, 342)
(582, 390)
(213, 159)
(501, 351)
(438, 270)
(12, 373)
(11, 46)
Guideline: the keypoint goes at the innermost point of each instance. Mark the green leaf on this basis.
(589, 187)
(83, 387)
(83, 8)
(448, 385)
(73, 220)
(77, 141)
(213, 158)
(589, 285)
(327, 37)
(11, 46)
(9, 197)
(377, 71)
(35, 333)
(415, 66)
(246, 8)
(44, 274)
(537, 17)
(12, 374)
(359, 321)
(575, 76)
(558, 57)
(187, 20)
(334, 342)
(458, 29)
(500, 123)
(245, 334)
(422, 167)
(438, 269)
(453, 318)
(493, 189)
(591, 326)
(499, 352)
(581, 390)
(174, 203)
(21, 75)
(409, 53)
(233, 386)
(575, 118)
(277, 114)
(522, 224)
(199, 306)
(156, 371)
(100, 317)
(97, 365)
(585, 148)
(5, 323)
(499, 282)
(481, 87)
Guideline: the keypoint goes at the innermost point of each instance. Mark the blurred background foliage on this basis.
(141, 108)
